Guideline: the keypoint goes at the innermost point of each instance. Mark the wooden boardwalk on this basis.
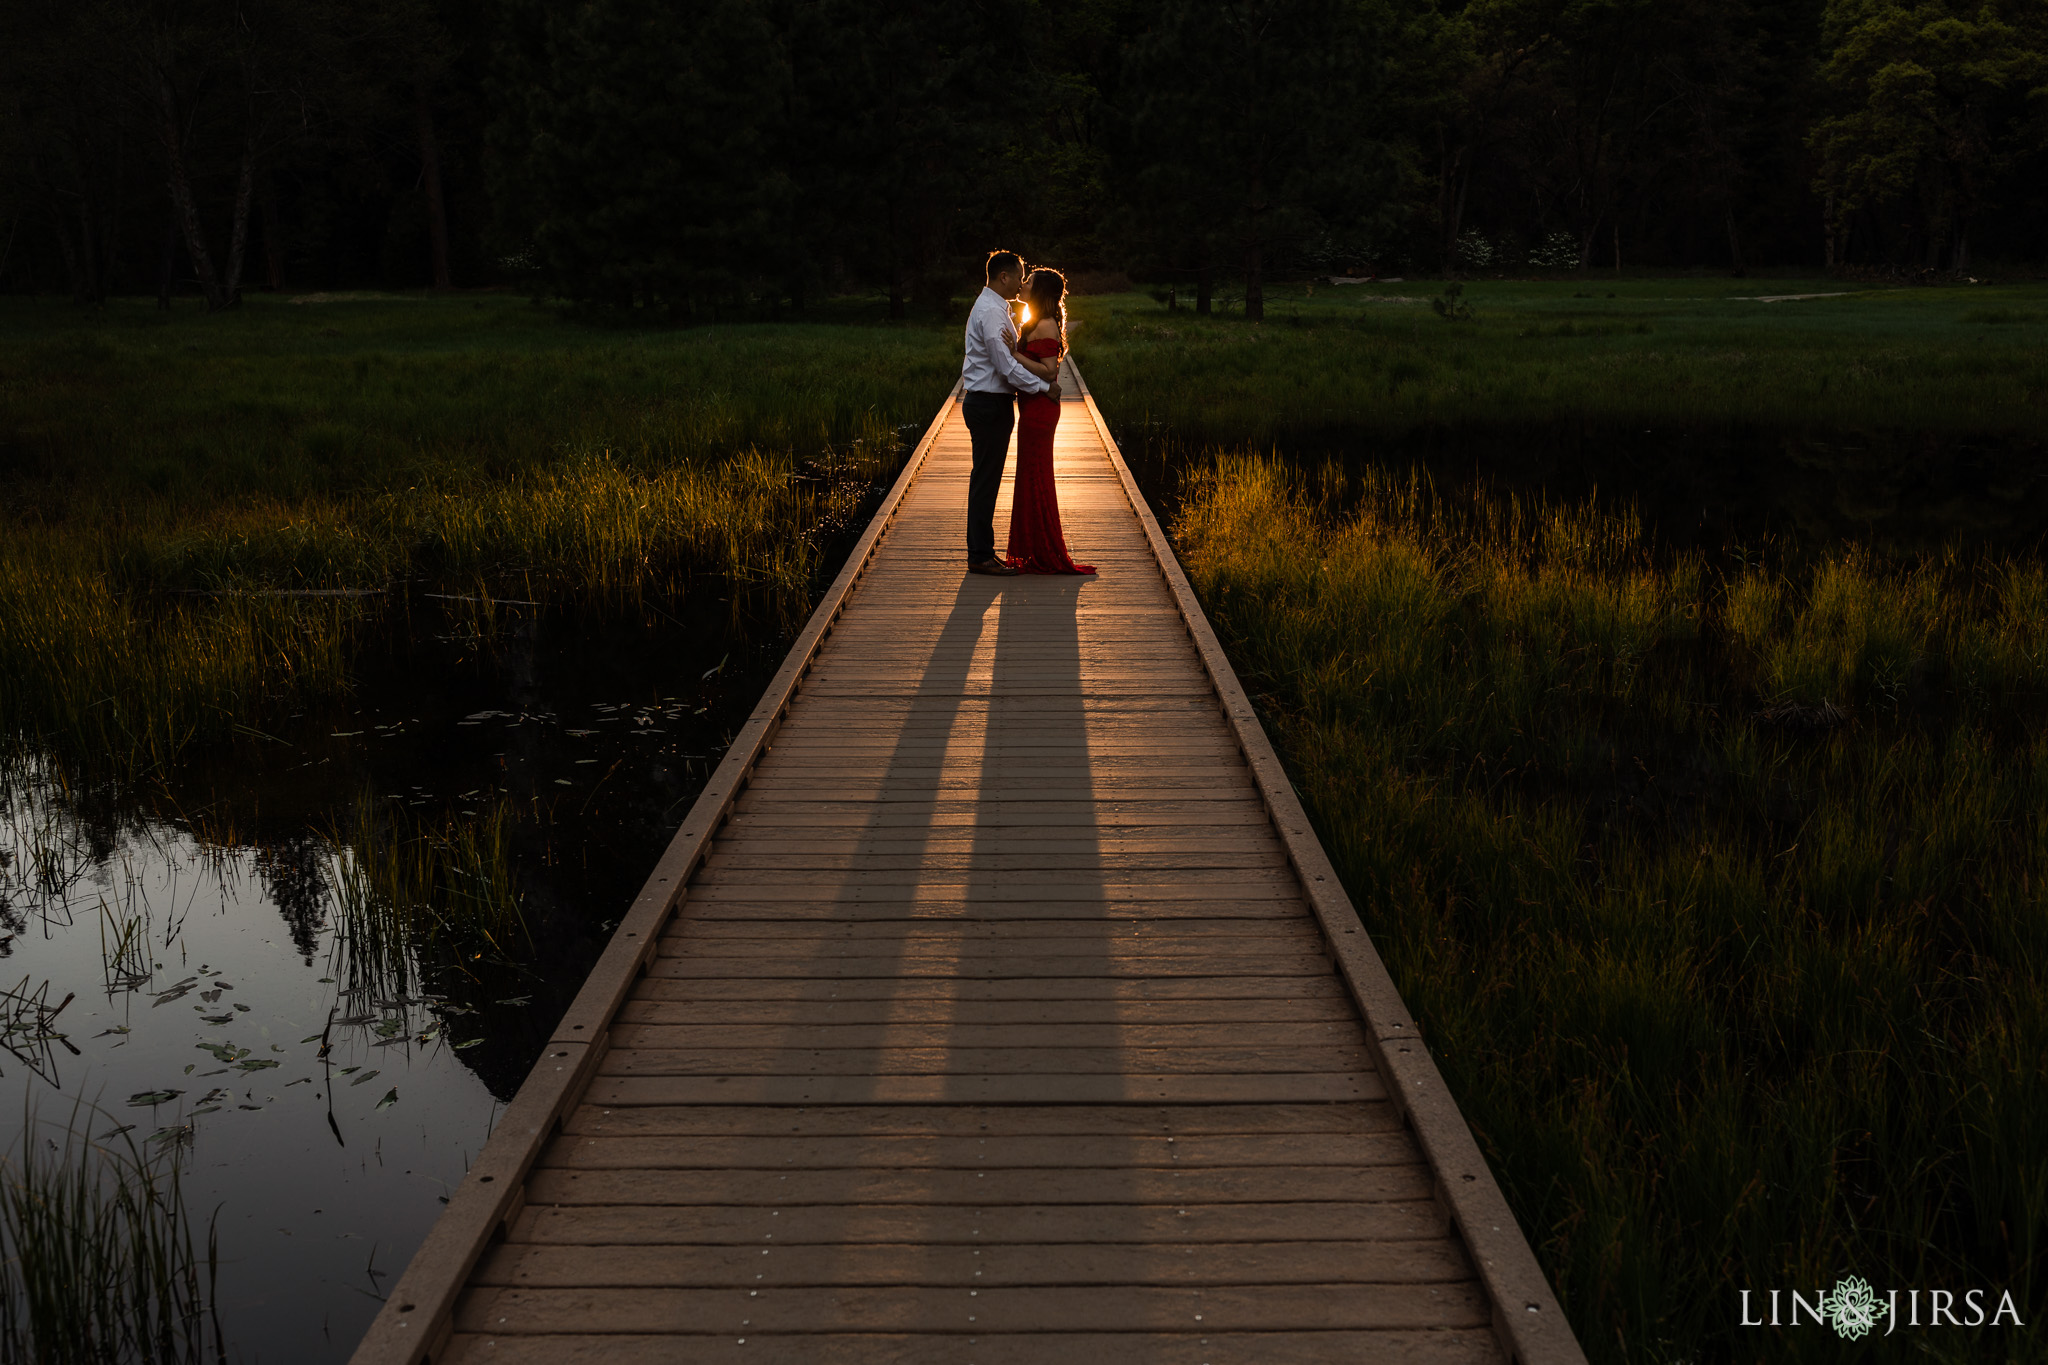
(995, 1004)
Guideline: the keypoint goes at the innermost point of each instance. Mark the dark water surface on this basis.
(595, 727)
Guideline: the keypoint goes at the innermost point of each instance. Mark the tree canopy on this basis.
(733, 157)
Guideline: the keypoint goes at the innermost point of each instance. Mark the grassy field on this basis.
(1345, 360)
(1712, 883)
(165, 477)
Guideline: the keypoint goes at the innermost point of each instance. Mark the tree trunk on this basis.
(1205, 286)
(273, 236)
(430, 178)
(1254, 283)
(1617, 246)
(1450, 203)
(238, 241)
(1734, 241)
(69, 248)
(167, 264)
(896, 309)
(182, 205)
(91, 281)
(7, 249)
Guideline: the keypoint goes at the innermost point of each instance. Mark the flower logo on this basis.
(1852, 1308)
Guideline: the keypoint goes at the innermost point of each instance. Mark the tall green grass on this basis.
(180, 489)
(99, 1262)
(1716, 888)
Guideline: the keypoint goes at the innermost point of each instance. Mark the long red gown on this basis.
(1036, 543)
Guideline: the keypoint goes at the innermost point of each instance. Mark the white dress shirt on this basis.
(990, 367)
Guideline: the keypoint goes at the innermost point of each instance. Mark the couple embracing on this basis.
(1009, 376)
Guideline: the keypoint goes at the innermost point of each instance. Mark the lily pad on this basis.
(471, 1043)
(256, 1064)
(367, 1075)
(390, 1098)
(153, 1097)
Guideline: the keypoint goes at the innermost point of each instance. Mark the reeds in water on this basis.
(1718, 890)
(100, 1262)
(411, 894)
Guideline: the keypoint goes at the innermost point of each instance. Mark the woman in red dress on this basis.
(1036, 544)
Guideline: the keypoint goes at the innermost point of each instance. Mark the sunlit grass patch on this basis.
(1717, 888)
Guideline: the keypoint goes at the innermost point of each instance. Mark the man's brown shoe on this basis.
(994, 568)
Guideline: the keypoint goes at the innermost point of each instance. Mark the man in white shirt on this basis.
(992, 377)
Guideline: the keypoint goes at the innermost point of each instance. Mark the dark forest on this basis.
(745, 157)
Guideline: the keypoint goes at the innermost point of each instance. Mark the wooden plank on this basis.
(648, 1009)
(869, 1121)
(1082, 924)
(1436, 1346)
(1039, 888)
(1009, 968)
(883, 1308)
(1126, 1088)
(649, 1059)
(820, 855)
(1217, 1263)
(1292, 1151)
(627, 1034)
(906, 910)
(1321, 986)
(996, 841)
(1179, 1223)
(988, 949)
(980, 1189)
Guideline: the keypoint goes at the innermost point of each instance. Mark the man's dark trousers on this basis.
(990, 418)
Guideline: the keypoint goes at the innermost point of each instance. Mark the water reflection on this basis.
(325, 1087)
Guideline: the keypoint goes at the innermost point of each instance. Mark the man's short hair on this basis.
(1004, 263)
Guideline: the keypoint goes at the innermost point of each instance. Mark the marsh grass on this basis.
(1716, 886)
(412, 895)
(99, 1258)
(1635, 352)
(198, 514)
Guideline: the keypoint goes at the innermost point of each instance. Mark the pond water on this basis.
(219, 1007)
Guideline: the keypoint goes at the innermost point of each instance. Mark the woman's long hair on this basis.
(1046, 291)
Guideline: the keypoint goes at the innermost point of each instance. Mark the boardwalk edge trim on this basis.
(418, 1318)
(1527, 1320)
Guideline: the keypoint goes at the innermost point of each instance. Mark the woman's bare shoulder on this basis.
(1043, 329)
